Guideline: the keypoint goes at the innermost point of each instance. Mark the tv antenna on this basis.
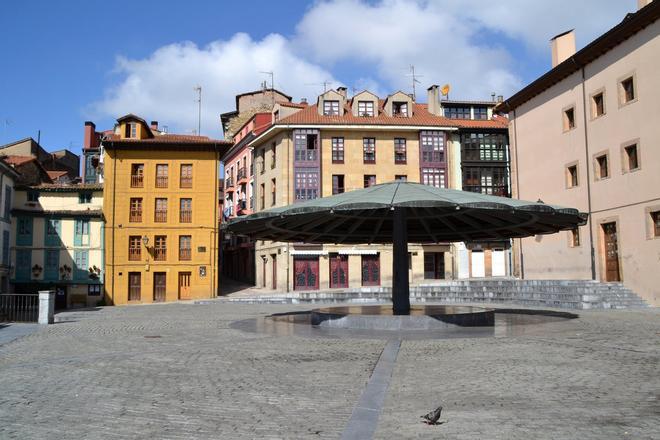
(198, 89)
(325, 84)
(414, 77)
(272, 85)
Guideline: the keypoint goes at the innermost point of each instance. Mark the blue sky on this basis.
(70, 61)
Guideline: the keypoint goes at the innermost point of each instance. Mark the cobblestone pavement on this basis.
(178, 371)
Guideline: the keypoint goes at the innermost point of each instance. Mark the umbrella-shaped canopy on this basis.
(433, 215)
(402, 212)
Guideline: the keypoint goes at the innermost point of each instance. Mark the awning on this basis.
(295, 252)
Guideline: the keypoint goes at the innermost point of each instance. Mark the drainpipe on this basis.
(586, 154)
(288, 189)
(114, 211)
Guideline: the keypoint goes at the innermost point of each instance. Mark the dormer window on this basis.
(131, 130)
(365, 108)
(457, 112)
(331, 108)
(400, 109)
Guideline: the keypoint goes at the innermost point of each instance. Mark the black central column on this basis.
(400, 281)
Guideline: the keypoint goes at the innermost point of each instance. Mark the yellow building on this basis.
(160, 207)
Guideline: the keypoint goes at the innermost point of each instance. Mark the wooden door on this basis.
(273, 258)
(434, 265)
(338, 271)
(160, 284)
(306, 273)
(184, 285)
(371, 270)
(612, 272)
(60, 298)
(134, 286)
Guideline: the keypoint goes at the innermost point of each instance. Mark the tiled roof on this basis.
(63, 187)
(294, 104)
(169, 139)
(56, 174)
(18, 160)
(420, 117)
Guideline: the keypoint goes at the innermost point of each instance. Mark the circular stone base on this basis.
(420, 318)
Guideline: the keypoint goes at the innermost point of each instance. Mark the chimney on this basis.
(642, 3)
(90, 140)
(433, 98)
(342, 91)
(154, 125)
(562, 47)
(303, 101)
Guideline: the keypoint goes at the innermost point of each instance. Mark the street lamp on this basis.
(145, 241)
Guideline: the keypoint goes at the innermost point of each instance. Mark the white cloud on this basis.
(160, 87)
(444, 40)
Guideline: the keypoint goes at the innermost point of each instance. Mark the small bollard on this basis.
(46, 306)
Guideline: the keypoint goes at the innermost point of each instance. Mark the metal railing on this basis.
(137, 181)
(161, 181)
(229, 182)
(241, 174)
(19, 307)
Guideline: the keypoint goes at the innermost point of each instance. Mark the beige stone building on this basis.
(585, 135)
(343, 143)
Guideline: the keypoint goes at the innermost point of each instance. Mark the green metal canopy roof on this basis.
(432, 215)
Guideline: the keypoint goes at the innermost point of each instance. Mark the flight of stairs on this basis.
(566, 294)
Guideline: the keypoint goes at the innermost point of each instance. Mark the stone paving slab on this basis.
(178, 371)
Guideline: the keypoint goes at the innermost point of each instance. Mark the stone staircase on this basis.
(565, 294)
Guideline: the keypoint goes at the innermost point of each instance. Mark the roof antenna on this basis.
(272, 85)
(325, 84)
(414, 79)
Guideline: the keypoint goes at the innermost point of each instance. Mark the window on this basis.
(186, 176)
(94, 289)
(85, 197)
(572, 176)
(33, 196)
(306, 185)
(337, 183)
(81, 261)
(262, 156)
(433, 147)
(602, 169)
(160, 248)
(574, 237)
(569, 119)
(162, 172)
(185, 247)
(369, 150)
(185, 211)
(160, 211)
(365, 108)
(24, 226)
(627, 90)
(273, 193)
(597, 105)
(273, 156)
(486, 180)
(371, 270)
(306, 145)
(134, 286)
(52, 237)
(5, 248)
(631, 159)
(457, 112)
(401, 178)
(369, 180)
(91, 162)
(262, 196)
(337, 150)
(51, 268)
(330, 108)
(137, 175)
(433, 177)
(400, 109)
(655, 220)
(399, 150)
(484, 147)
(480, 112)
(131, 130)
(135, 213)
(134, 248)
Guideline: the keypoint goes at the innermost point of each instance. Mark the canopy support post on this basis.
(400, 280)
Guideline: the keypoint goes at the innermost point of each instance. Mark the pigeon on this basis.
(432, 417)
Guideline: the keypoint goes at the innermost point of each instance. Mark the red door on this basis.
(338, 271)
(371, 270)
(306, 273)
